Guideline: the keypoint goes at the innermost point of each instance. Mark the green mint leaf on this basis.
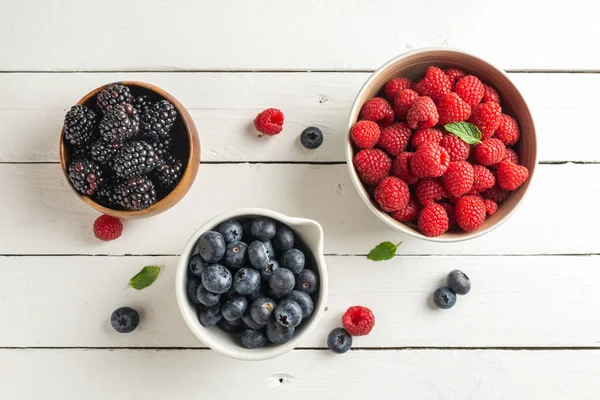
(468, 132)
(383, 251)
(145, 277)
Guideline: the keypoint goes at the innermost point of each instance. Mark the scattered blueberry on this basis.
(191, 289)
(263, 228)
(303, 300)
(253, 339)
(207, 298)
(444, 297)
(282, 282)
(249, 321)
(216, 278)
(265, 274)
(234, 308)
(257, 253)
(459, 282)
(125, 319)
(306, 281)
(228, 327)
(279, 334)
(339, 341)
(311, 137)
(209, 316)
(269, 249)
(293, 260)
(284, 238)
(261, 310)
(197, 265)
(246, 280)
(211, 246)
(236, 254)
(288, 314)
(232, 231)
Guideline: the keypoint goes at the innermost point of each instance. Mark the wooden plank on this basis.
(223, 105)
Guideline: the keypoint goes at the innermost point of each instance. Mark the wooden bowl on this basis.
(186, 146)
(413, 65)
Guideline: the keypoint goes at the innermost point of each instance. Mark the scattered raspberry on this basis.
(435, 84)
(490, 94)
(409, 213)
(394, 139)
(433, 220)
(470, 89)
(457, 149)
(508, 130)
(511, 176)
(358, 320)
(401, 168)
(487, 118)
(379, 110)
(403, 102)
(511, 156)
(430, 191)
(470, 213)
(395, 86)
(107, 227)
(482, 179)
(458, 178)
(372, 165)
(497, 194)
(451, 214)
(454, 74)
(269, 122)
(430, 160)
(451, 108)
(489, 152)
(426, 135)
(392, 194)
(422, 114)
(365, 134)
(490, 206)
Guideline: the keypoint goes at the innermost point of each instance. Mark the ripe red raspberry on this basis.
(454, 74)
(409, 213)
(511, 156)
(430, 160)
(394, 139)
(497, 194)
(508, 130)
(379, 110)
(482, 179)
(403, 102)
(392, 194)
(490, 206)
(269, 122)
(358, 321)
(426, 135)
(511, 176)
(451, 214)
(401, 168)
(470, 213)
(365, 134)
(470, 89)
(422, 114)
(372, 165)
(395, 86)
(433, 220)
(430, 191)
(458, 178)
(435, 84)
(489, 152)
(487, 118)
(107, 227)
(490, 94)
(457, 149)
(451, 108)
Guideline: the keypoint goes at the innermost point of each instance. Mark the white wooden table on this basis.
(528, 330)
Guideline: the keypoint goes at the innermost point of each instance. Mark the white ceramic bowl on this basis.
(309, 232)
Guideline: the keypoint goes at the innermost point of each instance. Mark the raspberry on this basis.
(490, 206)
(392, 194)
(430, 160)
(487, 118)
(269, 122)
(508, 130)
(107, 227)
(435, 84)
(451, 108)
(409, 213)
(433, 220)
(490, 94)
(401, 168)
(483, 179)
(394, 139)
(372, 165)
(451, 214)
(496, 194)
(426, 135)
(358, 320)
(458, 178)
(454, 74)
(395, 86)
(457, 149)
(422, 114)
(379, 110)
(511, 176)
(403, 102)
(365, 134)
(470, 89)
(470, 213)
(511, 156)
(489, 152)
(429, 191)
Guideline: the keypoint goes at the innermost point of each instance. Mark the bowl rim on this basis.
(203, 333)
(399, 226)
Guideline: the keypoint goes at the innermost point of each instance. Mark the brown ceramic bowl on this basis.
(413, 65)
(186, 147)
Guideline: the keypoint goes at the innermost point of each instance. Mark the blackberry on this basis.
(79, 125)
(81, 151)
(168, 172)
(103, 152)
(134, 159)
(134, 194)
(120, 124)
(142, 102)
(104, 194)
(86, 176)
(159, 119)
(161, 147)
(113, 95)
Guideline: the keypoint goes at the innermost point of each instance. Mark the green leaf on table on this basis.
(468, 132)
(383, 251)
(145, 277)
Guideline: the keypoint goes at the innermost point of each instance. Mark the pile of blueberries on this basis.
(250, 279)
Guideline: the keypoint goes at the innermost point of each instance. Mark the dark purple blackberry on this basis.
(86, 176)
(120, 124)
(142, 102)
(103, 152)
(168, 172)
(114, 94)
(104, 194)
(134, 159)
(79, 125)
(162, 147)
(135, 194)
(81, 151)
(159, 119)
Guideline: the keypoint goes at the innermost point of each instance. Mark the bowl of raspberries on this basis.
(251, 283)
(441, 145)
(129, 149)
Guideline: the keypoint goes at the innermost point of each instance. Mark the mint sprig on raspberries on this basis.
(467, 132)
(383, 251)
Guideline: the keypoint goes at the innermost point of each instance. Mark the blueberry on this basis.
(279, 334)
(205, 297)
(234, 308)
(307, 281)
(261, 310)
(444, 297)
(236, 254)
(265, 274)
(253, 339)
(269, 249)
(210, 315)
(281, 282)
(459, 282)
(288, 313)
(197, 265)
(304, 301)
(125, 319)
(263, 228)
(311, 137)
(339, 341)
(246, 280)
(232, 231)
(284, 238)
(226, 326)
(258, 292)
(191, 288)
(257, 253)
(250, 322)
(211, 246)
(216, 278)
(293, 260)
